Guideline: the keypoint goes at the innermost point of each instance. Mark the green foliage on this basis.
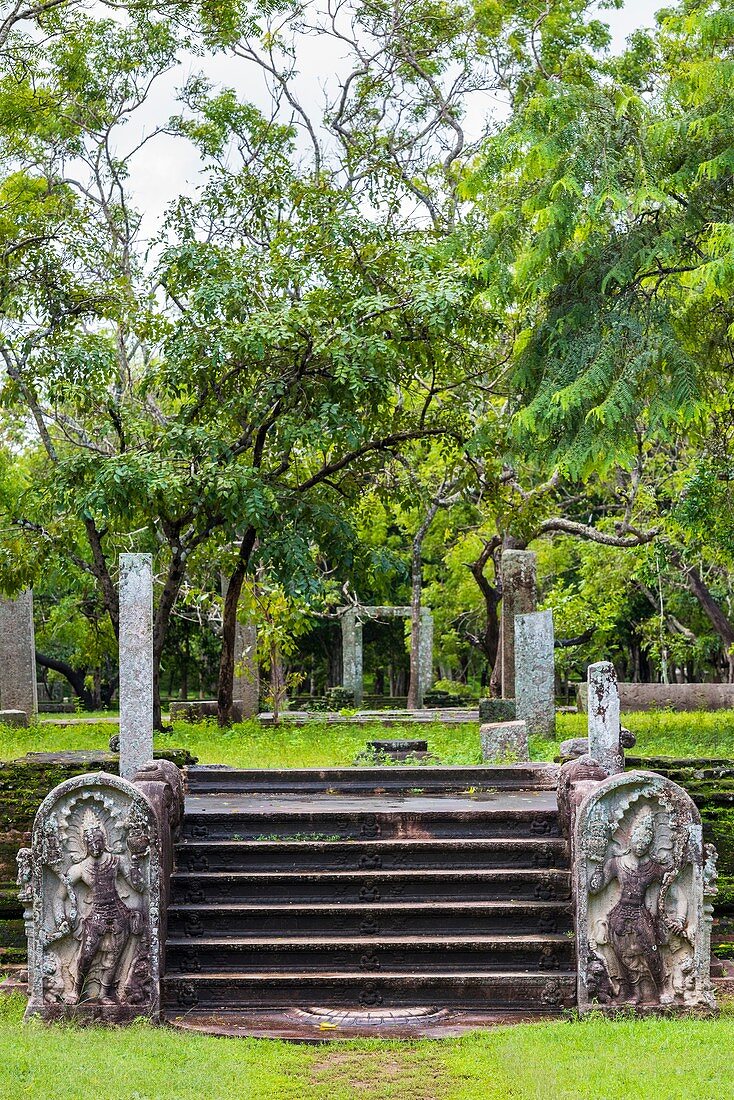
(609, 238)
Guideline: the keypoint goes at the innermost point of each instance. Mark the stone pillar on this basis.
(352, 654)
(535, 672)
(18, 690)
(425, 654)
(519, 596)
(246, 681)
(246, 670)
(604, 724)
(136, 662)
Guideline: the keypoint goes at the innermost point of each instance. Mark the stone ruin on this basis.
(642, 877)
(18, 688)
(94, 886)
(352, 618)
(641, 881)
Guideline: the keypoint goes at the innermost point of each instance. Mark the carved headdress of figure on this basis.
(643, 832)
(92, 829)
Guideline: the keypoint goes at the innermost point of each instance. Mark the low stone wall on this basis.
(672, 696)
(197, 710)
(24, 784)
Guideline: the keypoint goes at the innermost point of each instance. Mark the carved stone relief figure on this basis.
(92, 883)
(642, 936)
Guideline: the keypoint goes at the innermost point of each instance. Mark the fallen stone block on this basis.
(504, 742)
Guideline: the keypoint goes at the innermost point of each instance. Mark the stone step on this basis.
(379, 780)
(312, 855)
(417, 919)
(457, 954)
(349, 887)
(483, 991)
(506, 816)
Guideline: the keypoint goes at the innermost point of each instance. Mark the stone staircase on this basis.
(370, 895)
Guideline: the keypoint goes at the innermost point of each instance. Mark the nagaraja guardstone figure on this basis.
(91, 885)
(640, 876)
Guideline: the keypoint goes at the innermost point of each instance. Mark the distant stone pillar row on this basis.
(535, 672)
(353, 650)
(136, 662)
(519, 597)
(18, 689)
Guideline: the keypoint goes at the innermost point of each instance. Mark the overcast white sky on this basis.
(167, 167)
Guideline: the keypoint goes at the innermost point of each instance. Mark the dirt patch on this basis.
(414, 1075)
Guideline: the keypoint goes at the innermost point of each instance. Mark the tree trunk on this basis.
(229, 628)
(75, 676)
(489, 643)
(415, 693)
(184, 692)
(277, 681)
(161, 619)
(721, 624)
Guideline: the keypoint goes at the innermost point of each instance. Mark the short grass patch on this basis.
(320, 745)
(593, 1059)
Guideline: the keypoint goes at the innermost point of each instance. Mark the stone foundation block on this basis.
(13, 718)
(504, 742)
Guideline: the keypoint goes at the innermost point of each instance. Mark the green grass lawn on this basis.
(594, 1059)
(249, 745)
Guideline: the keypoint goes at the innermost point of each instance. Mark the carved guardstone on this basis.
(643, 929)
(91, 887)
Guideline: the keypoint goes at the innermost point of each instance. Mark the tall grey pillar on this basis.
(246, 671)
(352, 675)
(425, 654)
(246, 681)
(136, 662)
(519, 597)
(18, 690)
(535, 672)
(604, 721)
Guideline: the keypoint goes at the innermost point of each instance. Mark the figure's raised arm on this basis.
(603, 875)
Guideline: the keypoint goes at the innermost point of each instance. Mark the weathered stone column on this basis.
(604, 724)
(136, 662)
(18, 689)
(246, 680)
(535, 672)
(519, 597)
(352, 654)
(425, 654)
(246, 670)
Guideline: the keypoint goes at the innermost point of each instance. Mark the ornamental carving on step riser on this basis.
(641, 876)
(90, 884)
